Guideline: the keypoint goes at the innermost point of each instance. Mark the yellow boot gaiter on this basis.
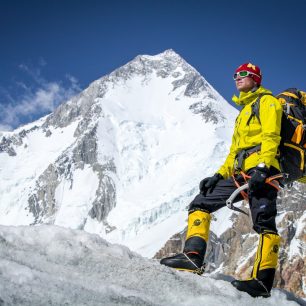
(198, 224)
(197, 232)
(266, 259)
(267, 253)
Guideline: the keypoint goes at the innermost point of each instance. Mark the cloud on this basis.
(4, 128)
(35, 100)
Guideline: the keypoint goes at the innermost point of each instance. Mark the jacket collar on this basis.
(248, 97)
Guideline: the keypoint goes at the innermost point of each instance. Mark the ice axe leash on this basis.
(270, 180)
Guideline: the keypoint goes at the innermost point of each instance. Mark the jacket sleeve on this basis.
(270, 114)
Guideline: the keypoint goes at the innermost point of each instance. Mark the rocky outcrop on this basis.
(83, 152)
(291, 275)
(42, 201)
(105, 199)
(6, 146)
(208, 113)
(8, 143)
(233, 252)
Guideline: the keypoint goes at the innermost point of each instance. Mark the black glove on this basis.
(210, 183)
(258, 178)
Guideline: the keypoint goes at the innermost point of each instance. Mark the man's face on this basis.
(245, 84)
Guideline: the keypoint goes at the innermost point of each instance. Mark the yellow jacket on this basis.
(266, 132)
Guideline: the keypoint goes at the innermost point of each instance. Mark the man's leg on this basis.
(192, 257)
(263, 210)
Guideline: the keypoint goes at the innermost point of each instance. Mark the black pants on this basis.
(262, 202)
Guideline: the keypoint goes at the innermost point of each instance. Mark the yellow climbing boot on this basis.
(264, 268)
(193, 254)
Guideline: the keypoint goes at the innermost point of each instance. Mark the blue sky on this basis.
(52, 49)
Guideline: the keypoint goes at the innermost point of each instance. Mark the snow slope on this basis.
(51, 265)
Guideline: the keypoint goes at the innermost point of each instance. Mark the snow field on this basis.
(51, 265)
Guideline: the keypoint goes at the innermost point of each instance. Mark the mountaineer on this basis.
(252, 158)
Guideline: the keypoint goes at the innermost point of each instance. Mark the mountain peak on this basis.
(167, 63)
(169, 53)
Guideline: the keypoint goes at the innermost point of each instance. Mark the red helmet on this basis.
(254, 72)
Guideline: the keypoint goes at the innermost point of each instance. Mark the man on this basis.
(253, 152)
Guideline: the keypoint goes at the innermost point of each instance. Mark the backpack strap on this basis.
(255, 107)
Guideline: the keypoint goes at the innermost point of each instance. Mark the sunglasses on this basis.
(243, 74)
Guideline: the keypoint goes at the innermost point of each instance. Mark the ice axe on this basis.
(269, 180)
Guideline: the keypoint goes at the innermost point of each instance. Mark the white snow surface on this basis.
(52, 265)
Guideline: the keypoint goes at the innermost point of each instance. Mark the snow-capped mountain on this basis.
(123, 159)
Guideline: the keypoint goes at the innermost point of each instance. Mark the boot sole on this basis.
(198, 272)
(254, 294)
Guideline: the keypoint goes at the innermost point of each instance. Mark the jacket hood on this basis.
(248, 97)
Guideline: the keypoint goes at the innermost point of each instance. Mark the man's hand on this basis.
(258, 178)
(209, 183)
